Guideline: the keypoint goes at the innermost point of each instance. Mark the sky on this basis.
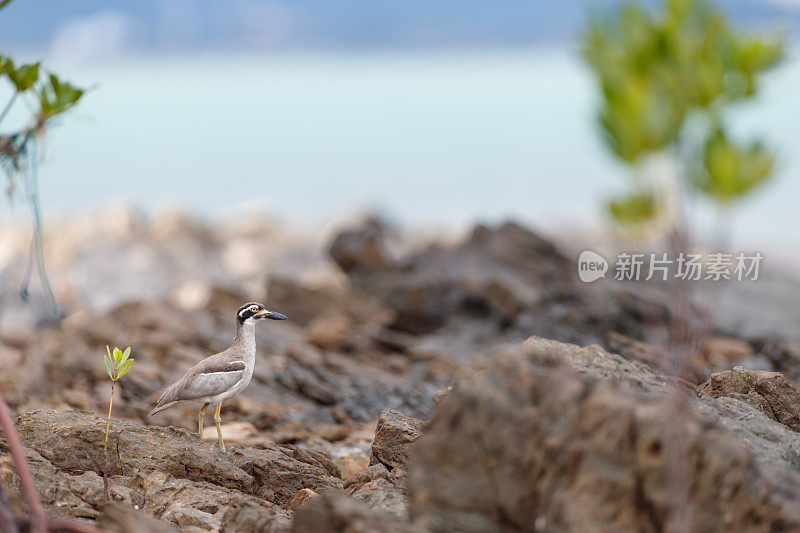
(173, 25)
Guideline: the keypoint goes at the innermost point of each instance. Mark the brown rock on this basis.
(441, 394)
(336, 512)
(362, 248)
(330, 332)
(383, 495)
(350, 464)
(770, 392)
(122, 518)
(182, 502)
(303, 303)
(73, 441)
(250, 517)
(302, 496)
(714, 348)
(232, 432)
(372, 472)
(394, 435)
(556, 437)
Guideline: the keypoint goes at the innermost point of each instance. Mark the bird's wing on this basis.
(210, 377)
(214, 378)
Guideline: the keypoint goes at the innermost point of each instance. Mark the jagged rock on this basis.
(303, 496)
(121, 518)
(383, 495)
(72, 441)
(372, 472)
(725, 348)
(379, 489)
(338, 513)
(394, 435)
(351, 464)
(557, 437)
(232, 432)
(330, 332)
(302, 303)
(496, 274)
(362, 248)
(441, 394)
(770, 392)
(249, 517)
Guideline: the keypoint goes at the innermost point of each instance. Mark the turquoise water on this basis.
(436, 138)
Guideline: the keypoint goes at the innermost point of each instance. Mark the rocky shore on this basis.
(475, 385)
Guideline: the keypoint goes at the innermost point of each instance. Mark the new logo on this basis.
(591, 266)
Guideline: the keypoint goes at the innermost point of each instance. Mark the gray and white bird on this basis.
(221, 376)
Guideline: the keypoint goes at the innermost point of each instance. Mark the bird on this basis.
(220, 376)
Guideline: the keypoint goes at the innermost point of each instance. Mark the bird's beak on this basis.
(272, 315)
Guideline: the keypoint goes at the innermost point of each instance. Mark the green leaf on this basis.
(58, 96)
(657, 67)
(730, 170)
(23, 77)
(4, 3)
(634, 209)
(123, 369)
(117, 354)
(125, 355)
(107, 361)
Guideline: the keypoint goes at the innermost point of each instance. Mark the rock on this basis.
(330, 332)
(441, 394)
(185, 503)
(372, 472)
(122, 518)
(249, 517)
(383, 495)
(336, 512)
(380, 489)
(362, 248)
(191, 296)
(556, 437)
(770, 392)
(496, 274)
(394, 435)
(232, 432)
(726, 348)
(73, 441)
(303, 303)
(302, 496)
(350, 464)
(191, 518)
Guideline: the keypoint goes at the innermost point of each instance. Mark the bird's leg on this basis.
(217, 420)
(200, 420)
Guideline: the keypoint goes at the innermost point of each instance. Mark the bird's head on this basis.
(251, 312)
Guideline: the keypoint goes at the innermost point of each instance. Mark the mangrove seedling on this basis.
(47, 97)
(117, 365)
(666, 77)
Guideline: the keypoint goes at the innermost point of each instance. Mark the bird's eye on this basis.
(253, 309)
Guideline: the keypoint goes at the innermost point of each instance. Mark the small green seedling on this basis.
(117, 365)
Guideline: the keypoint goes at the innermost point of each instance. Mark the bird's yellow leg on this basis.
(217, 420)
(200, 420)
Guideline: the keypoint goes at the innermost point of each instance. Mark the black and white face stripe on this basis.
(248, 310)
(256, 311)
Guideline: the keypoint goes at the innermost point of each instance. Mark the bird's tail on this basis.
(164, 402)
(159, 408)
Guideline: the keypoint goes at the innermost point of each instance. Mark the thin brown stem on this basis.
(21, 464)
